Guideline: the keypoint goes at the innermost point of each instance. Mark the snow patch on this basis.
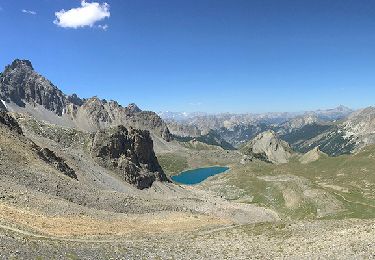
(5, 105)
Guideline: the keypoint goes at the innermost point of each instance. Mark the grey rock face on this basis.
(74, 99)
(183, 130)
(51, 158)
(100, 114)
(269, 147)
(129, 153)
(20, 83)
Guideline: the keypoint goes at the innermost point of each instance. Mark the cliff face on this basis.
(24, 88)
(20, 83)
(129, 153)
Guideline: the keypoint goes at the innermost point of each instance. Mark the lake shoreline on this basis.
(198, 175)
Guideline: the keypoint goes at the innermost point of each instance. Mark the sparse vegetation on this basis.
(331, 187)
(172, 163)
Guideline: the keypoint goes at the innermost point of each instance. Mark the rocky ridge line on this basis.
(22, 86)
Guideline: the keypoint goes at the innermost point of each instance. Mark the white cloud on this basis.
(103, 27)
(28, 12)
(86, 15)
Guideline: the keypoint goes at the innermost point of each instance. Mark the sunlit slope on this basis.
(331, 187)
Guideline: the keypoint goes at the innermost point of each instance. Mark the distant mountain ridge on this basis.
(337, 113)
(335, 131)
(205, 122)
(22, 89)
(237, 129)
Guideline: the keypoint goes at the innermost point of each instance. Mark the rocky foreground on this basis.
(349, 239)
(64, 186)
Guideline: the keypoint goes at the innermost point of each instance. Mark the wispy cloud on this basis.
(103, 27)
(86, 15)
(28, 12)
(196, 104)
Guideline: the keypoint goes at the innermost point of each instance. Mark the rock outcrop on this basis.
(9, 122)
(133, 108)
(24, 90)
(51, 158)
(312, 156)
(129, 153)
(267, 146)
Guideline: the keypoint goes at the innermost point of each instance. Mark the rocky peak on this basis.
(342, 108)
(129, 153)
(20, 84)
(95, 109)
(133, 108)
(24, 88)
(269, 147)
(20, 64)
(74, 99)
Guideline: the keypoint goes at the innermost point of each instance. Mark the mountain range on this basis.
(24, 90)
(336, 131)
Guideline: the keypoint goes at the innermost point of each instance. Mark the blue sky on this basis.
(201, 55)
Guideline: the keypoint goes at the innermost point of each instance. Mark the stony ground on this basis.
(349, 239)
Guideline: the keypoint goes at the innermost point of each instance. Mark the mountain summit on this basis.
(20, 84)
(22, 89)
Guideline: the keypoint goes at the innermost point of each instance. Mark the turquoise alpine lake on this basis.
(196, 176)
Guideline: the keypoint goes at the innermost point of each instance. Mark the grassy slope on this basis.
(172, 163)
(338, 187)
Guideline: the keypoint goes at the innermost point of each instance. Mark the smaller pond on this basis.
(196, 176)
